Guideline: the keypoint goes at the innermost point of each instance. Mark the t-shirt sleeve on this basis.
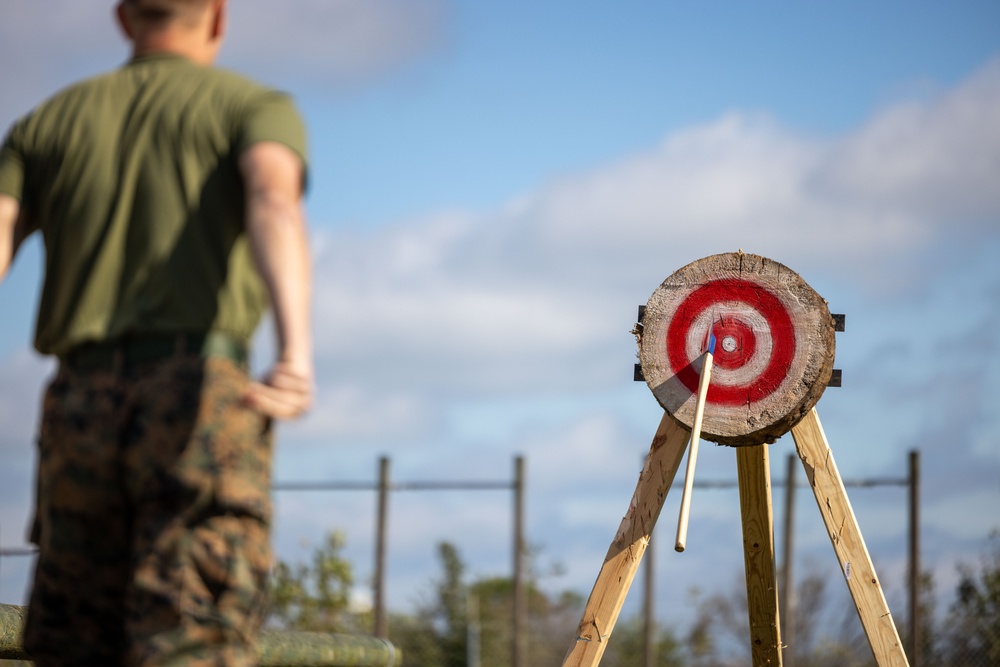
(274, 117)
(12, 165)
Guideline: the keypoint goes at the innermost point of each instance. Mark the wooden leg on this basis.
(848, 543)
(758, 553)
(622, 560)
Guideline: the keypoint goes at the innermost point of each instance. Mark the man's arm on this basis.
(13, 230)
(273, 176)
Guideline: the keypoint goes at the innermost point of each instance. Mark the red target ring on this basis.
(736, 339)
(736, 343)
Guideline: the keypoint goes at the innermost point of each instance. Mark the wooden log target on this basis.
(774, 351)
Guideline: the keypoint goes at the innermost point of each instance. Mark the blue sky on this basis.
(497, 186)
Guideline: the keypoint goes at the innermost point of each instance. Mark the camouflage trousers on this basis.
(152, 518)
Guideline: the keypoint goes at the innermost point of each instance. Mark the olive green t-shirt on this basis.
(132, 179)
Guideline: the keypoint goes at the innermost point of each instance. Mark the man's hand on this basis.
(286, 392)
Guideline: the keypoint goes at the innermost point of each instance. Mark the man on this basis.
(168, 194)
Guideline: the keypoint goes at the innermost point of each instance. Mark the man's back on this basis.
(133, 179)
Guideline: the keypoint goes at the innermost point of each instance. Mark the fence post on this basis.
(915, 638)
(649, 629)
(473, 632)
(520, 610)
(787, 581)
(381, 619)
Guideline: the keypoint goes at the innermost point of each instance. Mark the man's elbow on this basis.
(271, 167)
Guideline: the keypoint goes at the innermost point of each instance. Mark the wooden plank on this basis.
(754, 474)
(630, 542)
(848, 543)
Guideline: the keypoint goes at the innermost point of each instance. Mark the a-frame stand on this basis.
(771, 336)
(632, 538)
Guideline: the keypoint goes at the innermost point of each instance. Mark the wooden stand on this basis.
(622, 560)
(774, 359)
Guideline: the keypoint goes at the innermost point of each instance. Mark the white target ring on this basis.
(774, 350)
(728, 375)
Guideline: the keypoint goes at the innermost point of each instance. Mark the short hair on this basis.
(159, 11)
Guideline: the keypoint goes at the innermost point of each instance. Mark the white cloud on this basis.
(589, 449)
(939, 161)
(407, 305)
(332, 42)
(48, 45)
(336, 41)
(542, 293)
(349, 412)
(965, 514)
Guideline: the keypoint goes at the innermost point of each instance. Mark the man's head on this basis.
(193, 28)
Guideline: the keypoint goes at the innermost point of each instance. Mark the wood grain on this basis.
(848, 543)
(754, 474)
(629, 544)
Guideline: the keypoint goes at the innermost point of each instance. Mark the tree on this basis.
(550, 627)
(974, 620)
(460, 615)
(417, 639)
(316, 596)
(451, 608)
(827, 633)
(931, 637)
(627, 646)
(436, 635)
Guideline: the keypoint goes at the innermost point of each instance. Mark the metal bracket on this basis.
(839, 324)
(637, 375)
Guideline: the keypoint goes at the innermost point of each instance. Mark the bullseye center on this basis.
(729, 343)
